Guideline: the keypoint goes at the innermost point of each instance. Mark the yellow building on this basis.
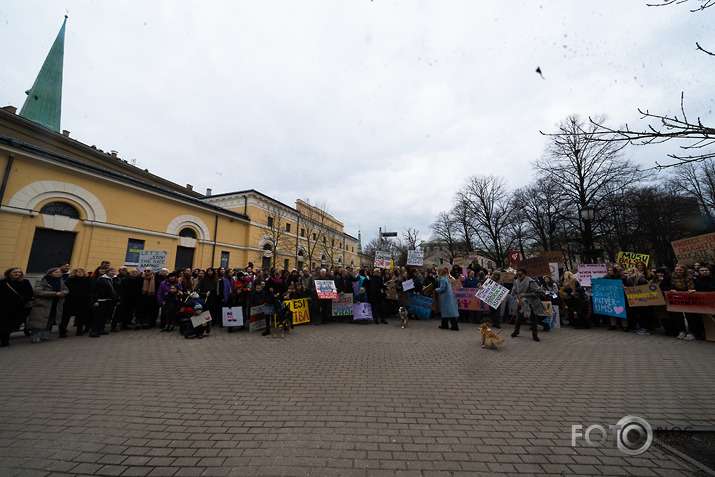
(286, 237)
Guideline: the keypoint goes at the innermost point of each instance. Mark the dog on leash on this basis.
(284, 321)
(489, 338)
(403, 317)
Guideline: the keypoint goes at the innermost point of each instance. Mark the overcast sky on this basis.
(379, 109)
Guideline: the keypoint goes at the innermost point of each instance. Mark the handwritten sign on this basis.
(382, 260)
(589, 271)
(507, 277)
(695, 249)
(156, 259)
(608, 297)
(343, 305)
(467, 300)
(361, 311)
(629, 259)
(535, 267)
(326, 289)
(556, 256)
(552, 315)
(391, 290)
(421, 306)
(415, 257)
(200, 320)
(408, 285)
(232, 316)
(644, 295)
(257, 320)
(492, 293)
(300, 310)
(696, 302)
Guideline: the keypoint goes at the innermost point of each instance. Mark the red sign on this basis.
(696, 302)
(514, 257)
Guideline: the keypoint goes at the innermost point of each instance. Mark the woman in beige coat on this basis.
(50, 294)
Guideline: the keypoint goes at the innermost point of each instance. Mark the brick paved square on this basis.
(345, 400)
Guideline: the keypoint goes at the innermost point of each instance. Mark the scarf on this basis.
(54, 282)
(148, 286)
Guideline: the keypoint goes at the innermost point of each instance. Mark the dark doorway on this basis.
(184, 257)
(50, 247)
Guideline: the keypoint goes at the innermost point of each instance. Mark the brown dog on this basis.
(489, 338)
(403, 316)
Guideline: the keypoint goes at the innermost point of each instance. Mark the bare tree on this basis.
(276, 234)
(698, 180)
(465, 230)
(486, 200)
(539, 206)
(444, 231)
(315, 220)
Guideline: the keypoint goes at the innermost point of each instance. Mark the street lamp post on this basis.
(587, 215)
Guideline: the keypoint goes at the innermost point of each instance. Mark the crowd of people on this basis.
(126, 299)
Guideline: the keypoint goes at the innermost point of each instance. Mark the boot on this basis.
(534, 336)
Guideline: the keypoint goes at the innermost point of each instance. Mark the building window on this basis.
(187, 232)
(302, 232)
(287, 227)
(134, 246)
(286, 264)
(314, 237)
(224, 259)
(324, 241)
(269, 221)
(333, 244)
(60, 208)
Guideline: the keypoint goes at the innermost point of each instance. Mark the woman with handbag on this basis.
(16, 295)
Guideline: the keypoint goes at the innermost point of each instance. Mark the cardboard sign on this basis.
(467, 300)
(608, 297)
(552, 315)
(300, 310)
(535, 267)
(492, 293)
(644, 295)
(326, 289)
(589, 271)
(391, 292)
(257, 320)
(695, 249)
(156, 259)
(507, 277)
(696, 302)
(420, 306)
(343, 305)
(232, 316)
(382, 260)
(629, 259)
(199, 320)
(408, 285)
(415, 257)
(556, 256)
(361, 311)
(428, 290)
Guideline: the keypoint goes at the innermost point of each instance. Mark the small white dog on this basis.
(403, 317)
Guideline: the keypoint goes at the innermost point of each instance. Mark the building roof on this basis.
(43, 104)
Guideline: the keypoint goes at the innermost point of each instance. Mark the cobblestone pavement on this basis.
(344, 400)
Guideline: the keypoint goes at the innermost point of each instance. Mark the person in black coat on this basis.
(78, 301)
(130, 292)
(16, 296)
(104, 299)
(375, 289)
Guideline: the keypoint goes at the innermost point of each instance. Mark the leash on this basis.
(507, 323)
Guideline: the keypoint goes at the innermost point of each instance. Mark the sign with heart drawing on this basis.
(608, 297)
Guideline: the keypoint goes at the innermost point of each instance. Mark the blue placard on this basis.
(608, 297)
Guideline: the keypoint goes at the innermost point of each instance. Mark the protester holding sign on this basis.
(679, 280)
(526, 292)
(447, 304)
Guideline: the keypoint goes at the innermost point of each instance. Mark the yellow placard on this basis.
(300, 310)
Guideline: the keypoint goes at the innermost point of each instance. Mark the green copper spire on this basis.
(43, 104)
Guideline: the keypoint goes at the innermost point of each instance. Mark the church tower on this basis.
(43, 104)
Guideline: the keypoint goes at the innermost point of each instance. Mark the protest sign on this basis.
(415, 257)
(343, 305)
(408, 284)
(326, 289)
(257, 320)
(199, 320)
(629, 259)
(644, 295)
(608, 297)
(589, 271)
(300, 310)
(514, 257)
(696, 302)
(507, 277)
(428, 290)
(556, 256)
(535, 267)
(382, 260)
(361, 311)
(552, 315)
(492, 293)
(232, 316)
(511, 305)
(554, 268)
(466, 300)
(695, 249)
(420, 306)
(391, 290)
(156, 259)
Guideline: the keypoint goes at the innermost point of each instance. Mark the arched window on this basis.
(187, 232)
(60, 208)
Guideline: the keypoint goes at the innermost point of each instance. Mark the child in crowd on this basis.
(172, 307)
